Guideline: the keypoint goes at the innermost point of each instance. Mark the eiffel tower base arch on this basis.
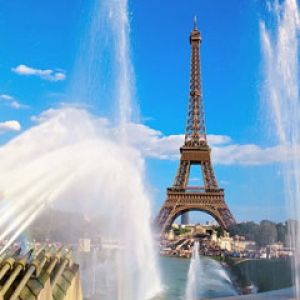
(178, 203)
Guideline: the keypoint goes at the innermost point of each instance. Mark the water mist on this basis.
(280, 44)
(194, 275)
(206, 278)
(80, 162)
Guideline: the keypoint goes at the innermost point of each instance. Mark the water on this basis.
(174, 278)
(103, 73)
(213, 281)
(97, 177)
(280, 44)
(207, 278)
(194, 275)
(75, 161)
(174, 275)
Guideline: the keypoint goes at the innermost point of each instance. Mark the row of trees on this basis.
(264, 233)
(68, 227)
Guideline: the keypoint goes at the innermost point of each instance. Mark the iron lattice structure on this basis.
(180, 197)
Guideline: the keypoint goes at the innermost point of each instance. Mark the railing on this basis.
(194, 189)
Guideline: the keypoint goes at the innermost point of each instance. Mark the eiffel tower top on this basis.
(195, 134)
(195, 26)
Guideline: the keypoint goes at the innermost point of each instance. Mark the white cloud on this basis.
(6, 97)
(195, 179)
(251, 154)
(10, 126)
(153, 143)
(12, 102)
(46, 74)
(224, 182)
(214, 139)
(15, 104)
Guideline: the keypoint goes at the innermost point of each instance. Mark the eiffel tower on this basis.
(180, 197)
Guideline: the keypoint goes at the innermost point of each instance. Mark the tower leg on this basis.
(185, 219)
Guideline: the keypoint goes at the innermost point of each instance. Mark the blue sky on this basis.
(45, 35)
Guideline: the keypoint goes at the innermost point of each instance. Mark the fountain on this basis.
(194, 275)
(207, 278)
(75, 161)
(280, 44)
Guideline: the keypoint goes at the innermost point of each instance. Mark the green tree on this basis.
(281, 232)
(220, 231)
(247, 229)
(266, 234)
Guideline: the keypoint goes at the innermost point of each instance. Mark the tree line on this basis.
(264, 233)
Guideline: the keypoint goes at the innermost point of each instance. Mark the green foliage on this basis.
(282, 232)
(181, 230)
(264, 233)
(220, 231)
(248, 230)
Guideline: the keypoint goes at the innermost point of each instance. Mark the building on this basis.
(240, 244)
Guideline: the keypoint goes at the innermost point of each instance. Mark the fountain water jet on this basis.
(75, 161)
(194, 275)
(280, 46)
(89, 173)
(207, 278)
(103, 70)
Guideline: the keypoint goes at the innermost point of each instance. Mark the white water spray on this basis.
(194, 275)
(207, 278)
(280, 45)
(74, 160)
(103, 73)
